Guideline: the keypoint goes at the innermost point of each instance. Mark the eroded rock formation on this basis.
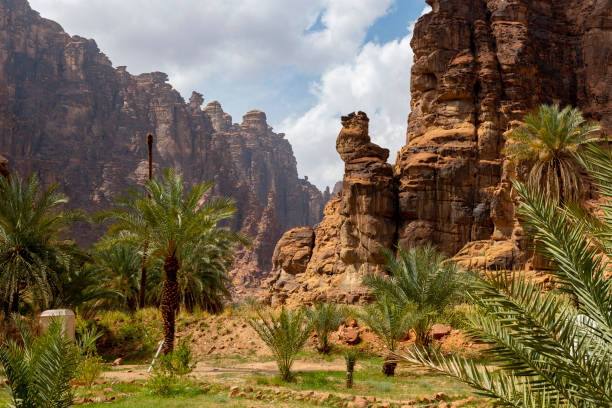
(68, 115)
(479, 67)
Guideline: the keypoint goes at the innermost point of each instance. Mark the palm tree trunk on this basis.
(388, 367)
(169, 302)
(143, 272)
(15, 302)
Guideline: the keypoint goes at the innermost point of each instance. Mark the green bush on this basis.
(40, 369)
(325, 318)
(285, 335)
(89, 369)
(162, 378)
(182, 358)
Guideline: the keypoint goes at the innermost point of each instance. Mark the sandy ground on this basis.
(203, 370)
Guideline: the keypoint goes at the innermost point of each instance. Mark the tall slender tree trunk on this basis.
(169, 302)
(143, 272)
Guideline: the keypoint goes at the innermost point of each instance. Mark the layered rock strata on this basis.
(68, 115)
(479, 67)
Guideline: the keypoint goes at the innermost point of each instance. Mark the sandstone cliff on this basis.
(69, 115)
(479, 67)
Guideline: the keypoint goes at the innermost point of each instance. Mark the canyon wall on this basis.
(479, 67)
(67, 114)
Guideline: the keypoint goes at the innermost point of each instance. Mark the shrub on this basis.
(422, 277)
(39, 371)
(390, 321)
(285, 335)
(350, 357)
(325, 318)
(182, 358)
(162, 378)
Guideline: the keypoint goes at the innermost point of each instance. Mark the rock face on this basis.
(67, 114)
(479, 67)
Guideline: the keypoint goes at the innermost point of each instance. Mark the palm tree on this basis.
(118, 265)
(31, 250)
(552, 138)
(39, 370)
(145, 246)
(172, 221)
(391, 321)
(550, 351)
(325, 318)
(285, 335)
(78, 287)
(422, 277)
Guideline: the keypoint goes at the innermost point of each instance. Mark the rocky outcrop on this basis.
(356, 226)
(68, 115)
(479, 67)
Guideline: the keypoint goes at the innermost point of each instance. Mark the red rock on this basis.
(480, 66)
(439, 331)
(118, 361)
(73, 118)
(351, 335)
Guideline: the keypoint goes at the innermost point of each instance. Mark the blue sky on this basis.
(304, 63)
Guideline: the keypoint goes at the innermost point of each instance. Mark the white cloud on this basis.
(229, 50)
(376, 81)
(225, 39)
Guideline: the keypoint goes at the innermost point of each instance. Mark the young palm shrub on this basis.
(120, 266)
(551, 138)
(325, 318)
(350, 357)
(285, 335)
(551, 353)
(39, 371)
(422, 277)
(391, 321)
(173, 223)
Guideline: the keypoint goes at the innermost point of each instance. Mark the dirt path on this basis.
(139, 372)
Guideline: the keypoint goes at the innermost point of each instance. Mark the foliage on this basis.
(285, 335)
(551, 138)
(325, 318)
(89, 369)
(420, 277)
(39, 371)
(80, 287)
(390, 320)
(119, 266)
(182, 358)
(350, 357)
(183, 230)
(163, 377)
(550, 351)
(31, 251)
(91, 364)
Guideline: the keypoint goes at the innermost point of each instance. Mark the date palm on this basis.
(551, 139)
(119, 266)
(422, 277)
(551, 352)
(325, 318)
(391, 321)
(284, 334)
(172, 221)
(39, 369)
(31, 250)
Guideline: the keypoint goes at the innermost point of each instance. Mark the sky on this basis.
(303, 62)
